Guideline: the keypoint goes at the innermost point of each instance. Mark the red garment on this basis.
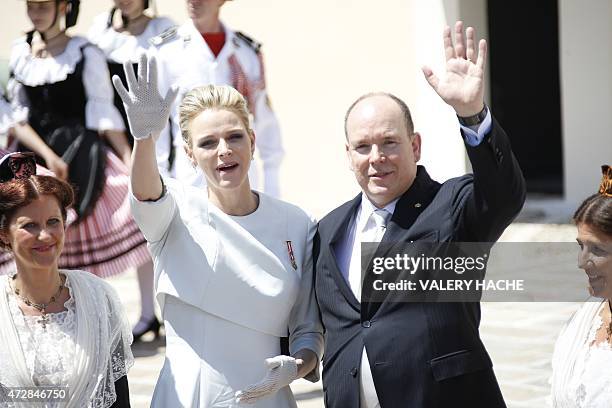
(215, 41)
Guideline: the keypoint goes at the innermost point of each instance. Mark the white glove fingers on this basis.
(130, 77)
(143, 69)
(257, 388)
(123, 93)
(281, 371)
(249, 396)
(153, 74)
(246, 401)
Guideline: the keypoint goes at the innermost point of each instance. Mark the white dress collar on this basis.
(33, 71)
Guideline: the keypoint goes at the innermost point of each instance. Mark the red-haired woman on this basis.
(58, 328)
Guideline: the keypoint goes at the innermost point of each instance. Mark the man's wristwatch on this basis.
(475, 119)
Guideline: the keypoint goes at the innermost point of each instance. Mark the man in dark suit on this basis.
(402, 354)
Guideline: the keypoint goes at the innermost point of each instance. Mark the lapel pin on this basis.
(417, 205)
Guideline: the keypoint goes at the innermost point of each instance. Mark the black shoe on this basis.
(152, 325)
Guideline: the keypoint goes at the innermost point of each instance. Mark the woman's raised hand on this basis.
(147, 111)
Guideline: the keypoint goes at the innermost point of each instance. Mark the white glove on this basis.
(147, 111)
(282, 370)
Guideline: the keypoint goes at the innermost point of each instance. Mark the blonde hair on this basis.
(211, 97)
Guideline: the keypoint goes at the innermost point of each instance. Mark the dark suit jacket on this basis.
(422, 355)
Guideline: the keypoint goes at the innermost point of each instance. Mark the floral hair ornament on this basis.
(18, 165)
(605, 187)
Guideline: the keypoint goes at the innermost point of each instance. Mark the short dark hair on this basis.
(596, 211)
(402, 105)
(18, 193)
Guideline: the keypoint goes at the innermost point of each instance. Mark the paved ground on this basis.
(519, 337)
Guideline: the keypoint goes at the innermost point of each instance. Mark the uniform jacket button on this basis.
(354, 372)
(366, 324)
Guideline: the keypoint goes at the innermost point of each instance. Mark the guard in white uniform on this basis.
(185, 60)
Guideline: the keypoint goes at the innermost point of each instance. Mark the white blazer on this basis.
(205, 258)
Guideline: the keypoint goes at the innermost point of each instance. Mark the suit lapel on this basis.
(410, 206)
(338, 233)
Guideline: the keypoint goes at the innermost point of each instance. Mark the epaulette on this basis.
(255, 45)
(164, 36)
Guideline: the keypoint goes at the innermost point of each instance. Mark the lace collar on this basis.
(33, 71)
(597, 323)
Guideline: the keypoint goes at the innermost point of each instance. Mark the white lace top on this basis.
(49, 353)
(582, 370)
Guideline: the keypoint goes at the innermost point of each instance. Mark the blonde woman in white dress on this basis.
(233, 266)
(582, 360)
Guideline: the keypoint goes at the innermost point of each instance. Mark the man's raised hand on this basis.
(462, 84)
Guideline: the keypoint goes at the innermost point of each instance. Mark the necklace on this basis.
(41, 307)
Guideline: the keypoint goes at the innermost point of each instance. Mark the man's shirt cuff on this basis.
(474, 135)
